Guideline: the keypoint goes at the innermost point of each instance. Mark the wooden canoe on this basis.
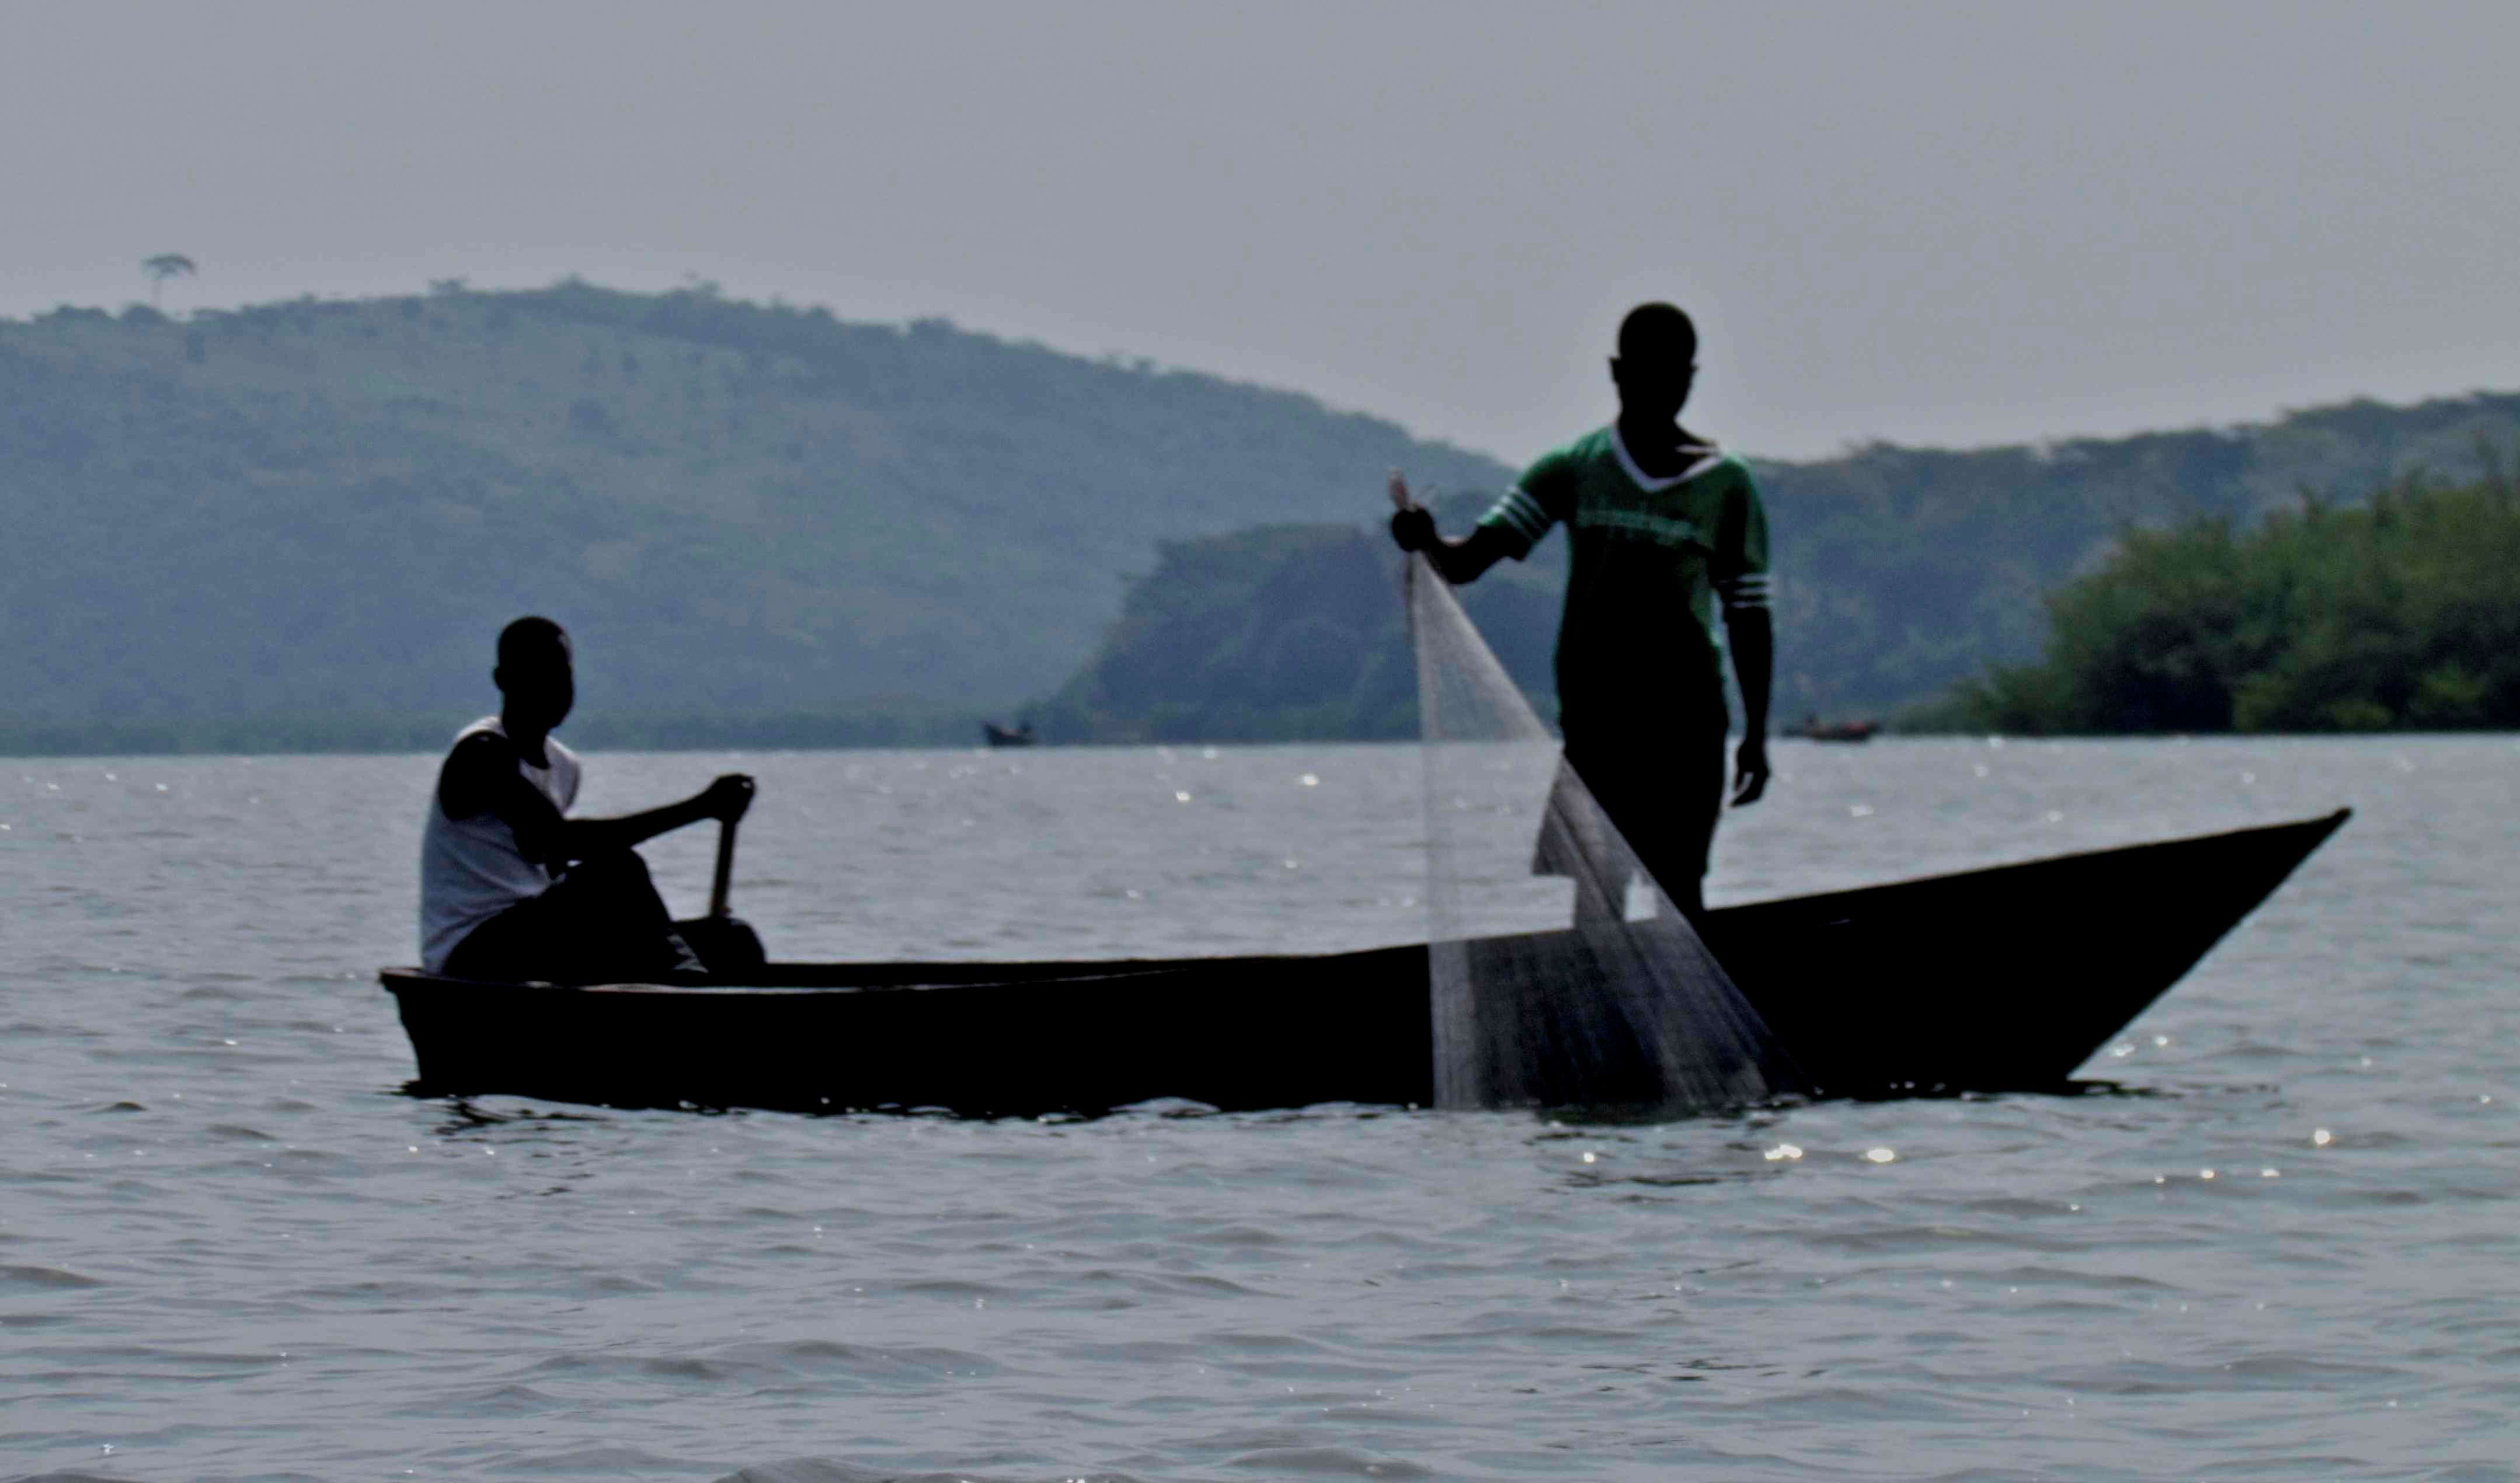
(1999, 979)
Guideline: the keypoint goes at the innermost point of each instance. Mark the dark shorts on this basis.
(601, 922)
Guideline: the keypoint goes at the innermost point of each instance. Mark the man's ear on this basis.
(498, 677)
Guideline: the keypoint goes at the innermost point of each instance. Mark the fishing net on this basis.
(1601, 997)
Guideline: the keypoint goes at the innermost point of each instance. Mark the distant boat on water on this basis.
(999, 736)
(1814, 728)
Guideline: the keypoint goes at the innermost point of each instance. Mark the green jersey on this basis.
(1651, 560)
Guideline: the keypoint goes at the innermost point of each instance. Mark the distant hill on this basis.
(1901, 572)
(301, 523)
(297, 525)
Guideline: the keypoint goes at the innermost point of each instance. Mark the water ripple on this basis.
(235, 1252)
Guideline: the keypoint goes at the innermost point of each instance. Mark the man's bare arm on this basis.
(1754, 655)
(725, 797)
(481, 778)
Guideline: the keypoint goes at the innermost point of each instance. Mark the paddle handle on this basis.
(723, 882)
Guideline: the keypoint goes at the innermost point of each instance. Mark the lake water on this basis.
(231, 1248)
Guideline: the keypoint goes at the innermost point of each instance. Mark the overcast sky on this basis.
(1937, 223)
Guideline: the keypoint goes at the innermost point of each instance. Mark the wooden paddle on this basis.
(726, 945)
(723, 882)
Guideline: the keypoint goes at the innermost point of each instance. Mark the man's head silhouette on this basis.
(535, 674)
(1656, 364)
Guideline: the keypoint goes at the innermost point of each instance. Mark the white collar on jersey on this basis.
(1650, 484)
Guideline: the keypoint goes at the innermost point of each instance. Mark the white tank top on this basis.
(470, 869)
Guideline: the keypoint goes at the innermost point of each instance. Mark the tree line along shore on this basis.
(2402, 613)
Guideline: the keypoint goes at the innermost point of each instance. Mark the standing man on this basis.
(1665, 528)
(512, 889)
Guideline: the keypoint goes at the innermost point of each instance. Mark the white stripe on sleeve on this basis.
(1747, 591)
(1520, 513)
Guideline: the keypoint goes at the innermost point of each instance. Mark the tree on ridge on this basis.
(163, 266)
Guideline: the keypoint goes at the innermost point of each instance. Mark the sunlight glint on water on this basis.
(228, 1250)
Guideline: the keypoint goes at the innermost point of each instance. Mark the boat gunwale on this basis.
(2332, 821)
(1090, 971)
(397, 977)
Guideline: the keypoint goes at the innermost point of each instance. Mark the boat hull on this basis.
(1992, 980)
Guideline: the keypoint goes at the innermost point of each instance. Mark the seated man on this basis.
(509, 889)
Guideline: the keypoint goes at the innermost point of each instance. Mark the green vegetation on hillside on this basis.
(1902, 570)
(299, 524)
(2404, 613)
(760, 521)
